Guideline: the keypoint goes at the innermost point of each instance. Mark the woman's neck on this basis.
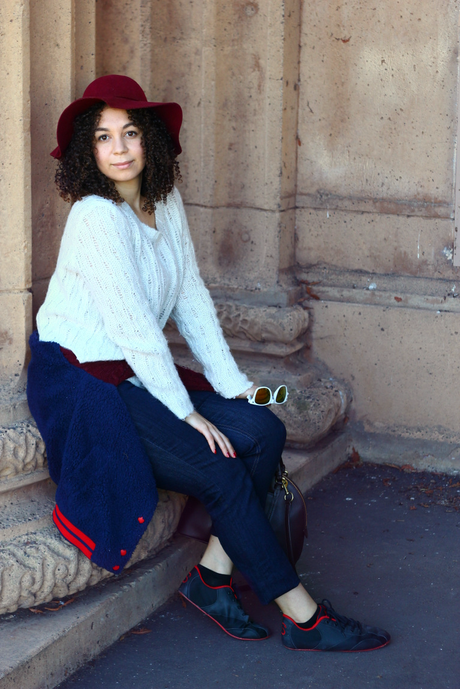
(131, 193)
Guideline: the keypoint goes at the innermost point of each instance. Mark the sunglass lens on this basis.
(263, 396)
(281, 394)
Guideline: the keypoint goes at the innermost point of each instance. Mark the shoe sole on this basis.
(331, 650)
(239, 638)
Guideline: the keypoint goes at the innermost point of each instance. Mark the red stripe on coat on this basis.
(77, 532)
(70, 537)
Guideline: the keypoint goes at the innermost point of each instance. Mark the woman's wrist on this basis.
(247, 393)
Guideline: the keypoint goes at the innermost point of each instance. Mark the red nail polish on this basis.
(214, 450)
(234, 454)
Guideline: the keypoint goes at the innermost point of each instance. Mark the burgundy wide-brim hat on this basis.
(118, 92)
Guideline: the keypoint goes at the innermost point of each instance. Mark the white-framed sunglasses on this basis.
(264, 396)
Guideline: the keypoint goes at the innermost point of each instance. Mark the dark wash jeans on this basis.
(232, 489)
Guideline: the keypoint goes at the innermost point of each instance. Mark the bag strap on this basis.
(288, 499)
(282, 477)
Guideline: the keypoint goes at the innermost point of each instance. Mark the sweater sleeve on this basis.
(196, 319)
(106, 261)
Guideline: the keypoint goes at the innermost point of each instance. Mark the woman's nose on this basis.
(119, 145)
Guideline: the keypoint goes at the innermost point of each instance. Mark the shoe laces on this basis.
(345, 623)
(234, 590)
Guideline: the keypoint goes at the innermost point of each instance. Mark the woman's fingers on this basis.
(224, 444)
(211, 433)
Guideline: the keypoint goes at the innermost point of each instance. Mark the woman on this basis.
(126, 265)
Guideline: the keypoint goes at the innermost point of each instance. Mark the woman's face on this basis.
(118, 146)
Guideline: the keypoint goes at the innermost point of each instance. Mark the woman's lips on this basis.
(122, 166)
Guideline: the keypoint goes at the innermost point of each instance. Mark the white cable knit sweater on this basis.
(116, 283)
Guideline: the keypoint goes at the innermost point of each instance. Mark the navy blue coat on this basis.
(106, 493)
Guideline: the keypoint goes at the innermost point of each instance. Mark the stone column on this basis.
(15, 207)
(234, 69)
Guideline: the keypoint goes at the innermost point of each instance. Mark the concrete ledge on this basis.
(40, 651)
(421, 454)
(307, 467)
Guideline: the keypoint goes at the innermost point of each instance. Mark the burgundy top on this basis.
(115, 372)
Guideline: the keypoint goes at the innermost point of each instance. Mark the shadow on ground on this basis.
(381, 547)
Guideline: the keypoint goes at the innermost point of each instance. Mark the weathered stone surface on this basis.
(402, 363)
(15, 328)
(310, 413)
(262, 324)
(367, 71)
(40, 565)
(22, 450)
(49, 96)
(15, 219)
(376, 242)
(240, 247)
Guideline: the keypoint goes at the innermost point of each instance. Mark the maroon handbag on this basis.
(285, 509)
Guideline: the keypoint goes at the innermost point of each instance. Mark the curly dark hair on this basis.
(77, 174)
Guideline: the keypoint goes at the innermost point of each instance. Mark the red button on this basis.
(122, 553)
(116, 567)
(141, 520)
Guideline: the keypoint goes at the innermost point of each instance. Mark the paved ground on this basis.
(383, 547)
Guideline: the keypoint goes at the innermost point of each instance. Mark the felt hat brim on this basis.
(170, 113)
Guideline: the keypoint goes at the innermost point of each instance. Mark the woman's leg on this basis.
(182, 461)
(258, 437)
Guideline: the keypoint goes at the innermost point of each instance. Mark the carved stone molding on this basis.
(22, 450)
(39, 566)
(262, 323)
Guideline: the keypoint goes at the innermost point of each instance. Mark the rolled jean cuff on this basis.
(277, 588)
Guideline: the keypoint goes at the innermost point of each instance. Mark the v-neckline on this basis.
(155, 229)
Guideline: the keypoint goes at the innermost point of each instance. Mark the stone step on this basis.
(40, 650)
(26, 504)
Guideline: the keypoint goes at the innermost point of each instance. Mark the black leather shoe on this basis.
(332, 632)
(222, 605)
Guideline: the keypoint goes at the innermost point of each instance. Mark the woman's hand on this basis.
(211, 433)
(245, 395)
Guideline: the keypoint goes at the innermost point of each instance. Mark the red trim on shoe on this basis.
(322, 650)
(239, 638)
(307, 629)
(225, 586)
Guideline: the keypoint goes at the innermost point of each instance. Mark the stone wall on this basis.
(375, 215)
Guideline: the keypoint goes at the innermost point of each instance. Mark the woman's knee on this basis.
(274, 431)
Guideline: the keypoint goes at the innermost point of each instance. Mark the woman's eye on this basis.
(131, 133)
(102, 137)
